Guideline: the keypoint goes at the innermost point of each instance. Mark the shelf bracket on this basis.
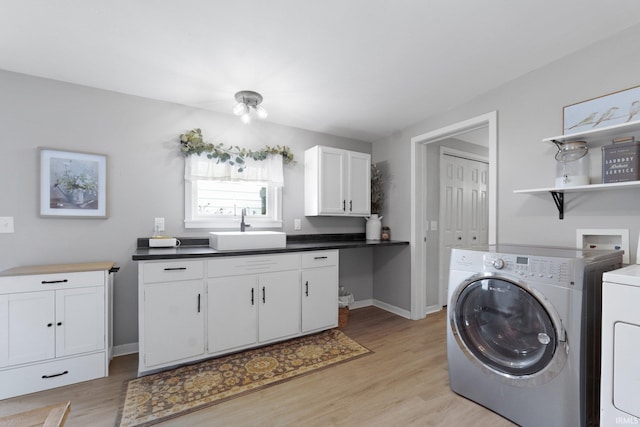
(558, 198)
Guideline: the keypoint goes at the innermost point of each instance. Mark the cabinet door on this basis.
(232, 304)
(80, 318)
(279, 305)
(173, 322)
(27, 328)
(332, 181)
(319, 298)
(359, 184)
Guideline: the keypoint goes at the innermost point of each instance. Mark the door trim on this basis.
(419, 200)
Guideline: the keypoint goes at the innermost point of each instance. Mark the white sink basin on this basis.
(239, 240)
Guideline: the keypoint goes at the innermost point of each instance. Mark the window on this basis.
(215, 194)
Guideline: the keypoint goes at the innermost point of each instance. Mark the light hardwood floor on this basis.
(403, 383)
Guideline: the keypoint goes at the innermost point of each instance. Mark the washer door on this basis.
(506, 328)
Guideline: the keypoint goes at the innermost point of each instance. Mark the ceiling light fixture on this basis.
(248, 101)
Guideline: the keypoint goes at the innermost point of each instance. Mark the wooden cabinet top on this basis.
(58, 268)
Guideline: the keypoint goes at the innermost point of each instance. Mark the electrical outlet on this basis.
(6, 224)
(158, 225)
(434, 225)
(296, 224)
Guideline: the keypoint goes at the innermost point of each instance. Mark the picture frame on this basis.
(604, 111)
(73, 184)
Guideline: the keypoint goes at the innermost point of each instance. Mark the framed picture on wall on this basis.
(73, 184)
(608, 110)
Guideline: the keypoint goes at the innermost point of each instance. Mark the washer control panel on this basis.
(540, 269)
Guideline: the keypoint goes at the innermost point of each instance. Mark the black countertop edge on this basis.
(143, 242)
(193, 251)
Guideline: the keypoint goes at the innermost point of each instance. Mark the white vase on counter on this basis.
(374, 227)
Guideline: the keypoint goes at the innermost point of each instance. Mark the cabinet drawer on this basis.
(41, 282)
(319, 259)
(43, 376)
(172, 271)
(232, 266)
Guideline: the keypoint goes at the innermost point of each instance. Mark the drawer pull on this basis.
(49, 282)
(320, 257)
(175, 268)
(55, 375)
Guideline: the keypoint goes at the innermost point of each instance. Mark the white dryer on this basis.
(620, 392)
(520, 336)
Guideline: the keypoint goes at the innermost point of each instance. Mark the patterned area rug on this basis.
(154, 398)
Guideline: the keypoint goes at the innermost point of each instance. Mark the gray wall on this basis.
(530, 109)
(146, 171)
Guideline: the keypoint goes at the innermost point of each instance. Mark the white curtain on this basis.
(268, 170)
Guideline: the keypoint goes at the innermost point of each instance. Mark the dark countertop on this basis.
(199, 247)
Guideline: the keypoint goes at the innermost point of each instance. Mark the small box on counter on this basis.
(620, 161)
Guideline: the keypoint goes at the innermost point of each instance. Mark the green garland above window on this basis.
(192, 142)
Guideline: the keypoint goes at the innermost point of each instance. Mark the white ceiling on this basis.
(356, 68)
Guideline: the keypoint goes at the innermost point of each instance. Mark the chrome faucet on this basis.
(243, 224)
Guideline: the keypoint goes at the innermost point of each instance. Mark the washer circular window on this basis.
(505, 327)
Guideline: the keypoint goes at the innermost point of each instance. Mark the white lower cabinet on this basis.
(246, 301)
(254, 309)
(233, 313)
(173, 322)
(54, 327)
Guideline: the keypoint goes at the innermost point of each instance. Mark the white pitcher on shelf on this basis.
(374, 227)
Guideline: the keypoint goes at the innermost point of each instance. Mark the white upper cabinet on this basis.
(337, 182)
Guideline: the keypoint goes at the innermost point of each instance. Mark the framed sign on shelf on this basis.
(608, 110)
(73, 184)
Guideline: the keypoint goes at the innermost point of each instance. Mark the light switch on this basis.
(158, 225)
(6, 224)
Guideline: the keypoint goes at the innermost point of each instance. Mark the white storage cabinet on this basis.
(171, 304)
(55, 326)
(252, 300)
(337, 182)
(319, 291)
(194, 309)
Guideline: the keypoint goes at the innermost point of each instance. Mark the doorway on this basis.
(463, 213)
(426, 295)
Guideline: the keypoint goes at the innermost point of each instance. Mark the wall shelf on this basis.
(558, 193)
(598, 136)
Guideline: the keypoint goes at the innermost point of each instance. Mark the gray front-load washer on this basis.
(523, 331)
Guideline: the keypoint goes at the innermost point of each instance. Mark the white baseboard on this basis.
(392, 309)
(433, 309)
(121, 350)
(361, 303)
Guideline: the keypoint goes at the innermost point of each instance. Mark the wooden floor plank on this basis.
(403, 383)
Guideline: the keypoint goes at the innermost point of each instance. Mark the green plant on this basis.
(193, 142)
(377, 193)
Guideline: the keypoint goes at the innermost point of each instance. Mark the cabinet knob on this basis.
(59, 323)
(49, 325)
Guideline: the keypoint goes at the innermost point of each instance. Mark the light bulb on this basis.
(240, 109)
(246, 117)
(261, 112)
